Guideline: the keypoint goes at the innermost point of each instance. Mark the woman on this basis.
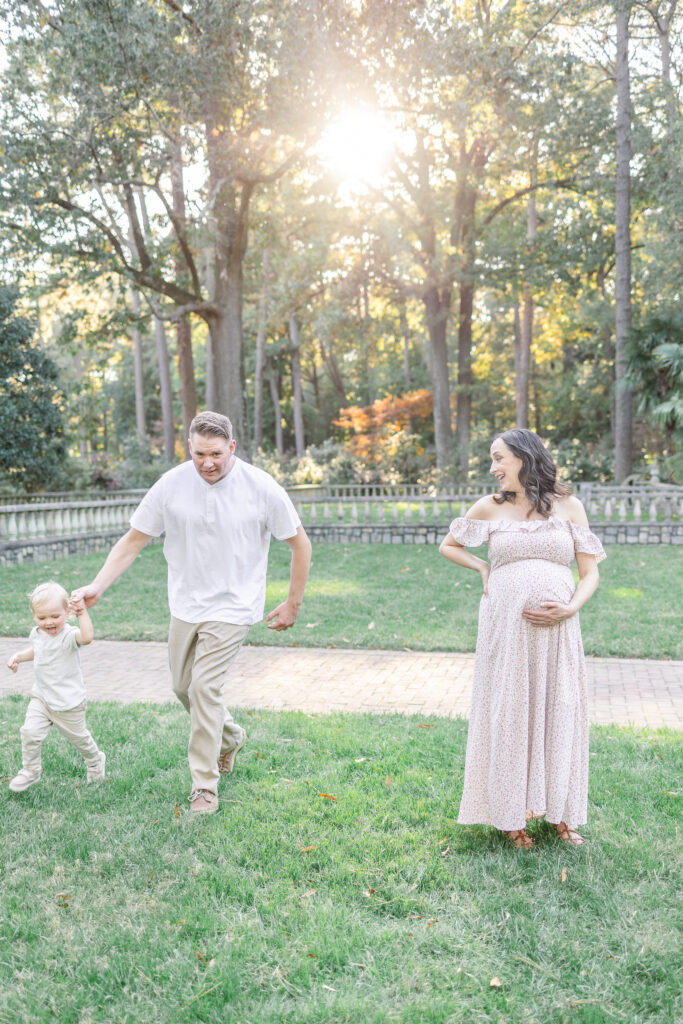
(527, 745)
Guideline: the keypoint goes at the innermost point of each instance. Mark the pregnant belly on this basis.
(525, 584)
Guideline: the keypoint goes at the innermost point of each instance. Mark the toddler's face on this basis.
(50, 616)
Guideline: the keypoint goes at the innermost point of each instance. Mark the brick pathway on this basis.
(624, 691)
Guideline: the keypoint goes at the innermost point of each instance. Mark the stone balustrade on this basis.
(65, 519)
(42, 532)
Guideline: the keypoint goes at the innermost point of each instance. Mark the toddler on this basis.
(58, 694)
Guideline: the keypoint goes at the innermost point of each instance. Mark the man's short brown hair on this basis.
(212, 423)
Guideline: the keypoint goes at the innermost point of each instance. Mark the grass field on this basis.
(333, 885)
(387, 596)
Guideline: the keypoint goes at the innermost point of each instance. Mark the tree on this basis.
(103, 104)
(32, 450)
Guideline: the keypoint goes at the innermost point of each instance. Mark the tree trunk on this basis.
(209, 375)
(137, 365)
(464, 400)
(523, 353)
(437, 309)
(623, 399)
(332, 366)
(275, 398)
(165, 387)
(296, 386)
(229, 212)
(188, 393)
(406, 349)
(260, 353)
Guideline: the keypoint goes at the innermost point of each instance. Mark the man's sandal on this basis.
(569, 835)
(520, 838)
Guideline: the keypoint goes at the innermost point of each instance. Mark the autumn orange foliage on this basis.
(366, 425)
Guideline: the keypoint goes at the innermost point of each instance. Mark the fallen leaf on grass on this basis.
(309, 892)
(307, 849)
(387, 781)
(327, 796)
(256, 754)
(353, 964)
(423, 725)
(564, 875)
(444, 852)
(328, 988)
(176, 811)
(202, 958)
(369, 892)
(495, 983)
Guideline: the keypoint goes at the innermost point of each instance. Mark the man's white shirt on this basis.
(217, 539)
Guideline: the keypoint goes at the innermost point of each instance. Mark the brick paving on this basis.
(317, 680)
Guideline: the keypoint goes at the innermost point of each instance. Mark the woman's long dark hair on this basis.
(538, 475)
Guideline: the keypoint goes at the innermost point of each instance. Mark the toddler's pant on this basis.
(37, 724)
(199, 655)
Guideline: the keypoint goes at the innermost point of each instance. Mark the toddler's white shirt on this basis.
(57, 676)
(217, 539)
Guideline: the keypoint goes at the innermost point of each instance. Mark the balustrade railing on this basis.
(371, 510)
(59, 497)
(64, 519)
(604, 504)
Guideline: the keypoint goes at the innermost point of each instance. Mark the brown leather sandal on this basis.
(569, 835)
(520, 838)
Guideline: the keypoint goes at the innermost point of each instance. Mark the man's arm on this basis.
(285, 614)
(121, 556)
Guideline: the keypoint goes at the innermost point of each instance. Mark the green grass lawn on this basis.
(386, 596)
(289, 906)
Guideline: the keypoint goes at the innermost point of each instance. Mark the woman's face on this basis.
(505, 466)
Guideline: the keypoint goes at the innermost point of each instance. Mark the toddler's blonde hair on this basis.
(45, 592)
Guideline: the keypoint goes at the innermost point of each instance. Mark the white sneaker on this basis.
(24, 779)
(96, 771)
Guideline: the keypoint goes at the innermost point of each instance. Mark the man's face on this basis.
(212, 456)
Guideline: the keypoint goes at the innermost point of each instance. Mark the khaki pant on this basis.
(199, 655)
(37, 724)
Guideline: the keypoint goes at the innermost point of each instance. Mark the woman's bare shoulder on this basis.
(569, 507)
(483, 508)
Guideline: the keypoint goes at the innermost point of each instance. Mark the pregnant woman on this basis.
(527, 745)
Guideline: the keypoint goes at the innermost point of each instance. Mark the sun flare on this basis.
(357, 147)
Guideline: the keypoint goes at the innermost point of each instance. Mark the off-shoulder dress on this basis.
(527, 744)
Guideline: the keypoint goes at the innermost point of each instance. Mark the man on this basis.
(218, 514)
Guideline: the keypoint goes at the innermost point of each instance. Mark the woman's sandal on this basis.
(520, 838)
(569, 835)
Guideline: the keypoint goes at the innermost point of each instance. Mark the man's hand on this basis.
(84, 597)
(285, 616)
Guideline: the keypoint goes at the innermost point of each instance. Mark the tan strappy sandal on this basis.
(520, 838)
(569, 835)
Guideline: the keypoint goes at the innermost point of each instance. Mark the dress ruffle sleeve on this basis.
(585, 541)
(471, 533)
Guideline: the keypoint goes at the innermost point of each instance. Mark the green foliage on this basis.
(32, 449)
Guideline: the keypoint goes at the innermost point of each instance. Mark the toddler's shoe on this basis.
(23, 780)
(96, 771)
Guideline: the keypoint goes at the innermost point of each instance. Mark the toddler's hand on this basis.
(77, 607)
(13, 662)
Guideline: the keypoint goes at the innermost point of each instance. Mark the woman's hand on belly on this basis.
(548, 613)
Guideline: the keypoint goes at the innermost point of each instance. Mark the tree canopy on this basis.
(172, 168)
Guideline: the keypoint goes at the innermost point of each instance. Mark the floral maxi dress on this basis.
(527, 744)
